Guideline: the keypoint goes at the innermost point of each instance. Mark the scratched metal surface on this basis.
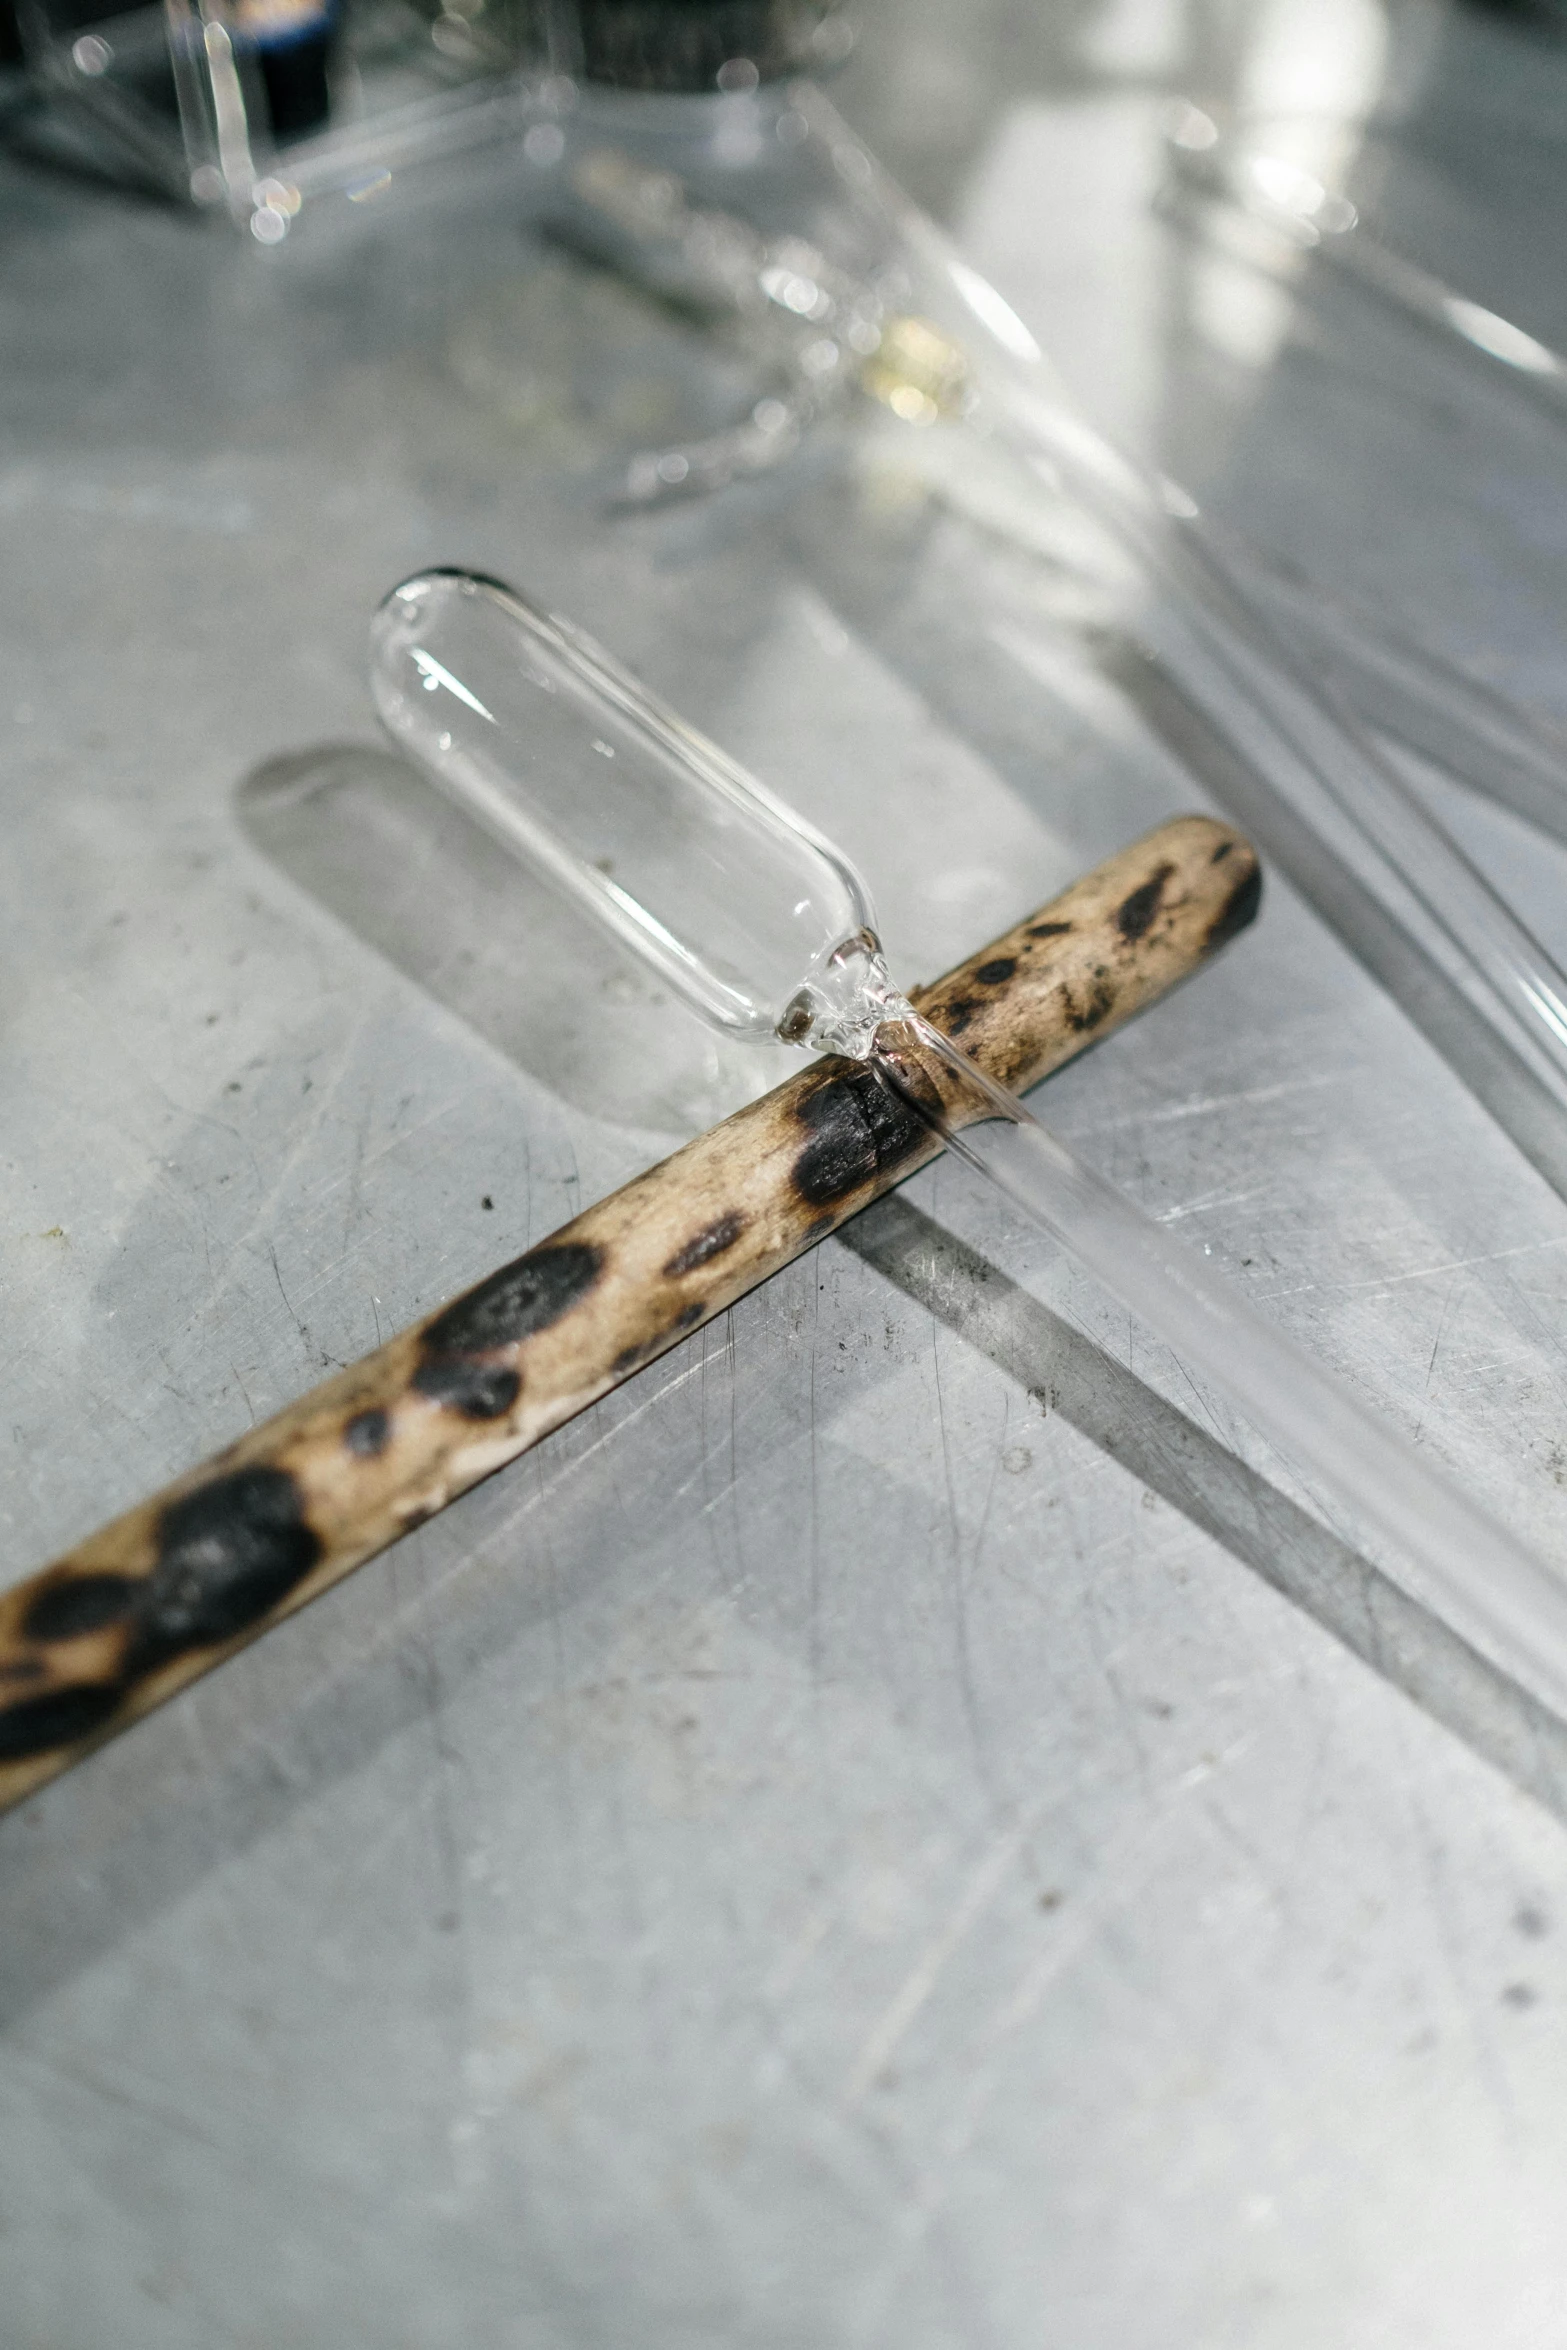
(895, 1829)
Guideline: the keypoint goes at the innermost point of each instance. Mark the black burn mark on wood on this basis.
(73, 1604)
(996, 972)
(367, 1432)
(956, 1016)
(1098, 1007)
(1048, 929)
(1136, 911)
(520, 1300)
(859, 1130)
(631, 1358)
(476, 1390)
(703, 1246)
(35, 1725)
(227, 1555)
(1238, 909)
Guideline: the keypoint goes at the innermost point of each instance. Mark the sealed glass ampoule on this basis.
(734, 900)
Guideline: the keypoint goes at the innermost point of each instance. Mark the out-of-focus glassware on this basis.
(1242, 189)
(776, 220)
(255, 108)
(259, 109)
(1455, 719)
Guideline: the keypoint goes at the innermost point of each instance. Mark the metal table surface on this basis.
(895, 1828)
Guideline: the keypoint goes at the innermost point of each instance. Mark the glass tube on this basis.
(1474, 1573)
(1445, 713)
(1269, 214)
(1252, 676)
(692, 865)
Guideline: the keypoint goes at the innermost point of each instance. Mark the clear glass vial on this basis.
(752, 917)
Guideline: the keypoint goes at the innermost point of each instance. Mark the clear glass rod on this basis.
(1474, 1574)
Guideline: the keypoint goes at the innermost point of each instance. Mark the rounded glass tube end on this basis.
(566, 759)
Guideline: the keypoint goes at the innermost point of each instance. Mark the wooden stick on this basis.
(179, 1583)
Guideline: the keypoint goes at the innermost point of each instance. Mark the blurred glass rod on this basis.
(1243, 184)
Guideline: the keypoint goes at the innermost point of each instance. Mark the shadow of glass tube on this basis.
(369, 840)
(1179, 1461)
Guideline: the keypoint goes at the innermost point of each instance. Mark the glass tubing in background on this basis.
(891, 311)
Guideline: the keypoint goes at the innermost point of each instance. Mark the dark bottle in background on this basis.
(291, 42)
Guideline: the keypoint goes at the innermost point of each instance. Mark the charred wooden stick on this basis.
(177, 1584)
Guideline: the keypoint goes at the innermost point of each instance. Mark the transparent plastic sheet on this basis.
(763, 927)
